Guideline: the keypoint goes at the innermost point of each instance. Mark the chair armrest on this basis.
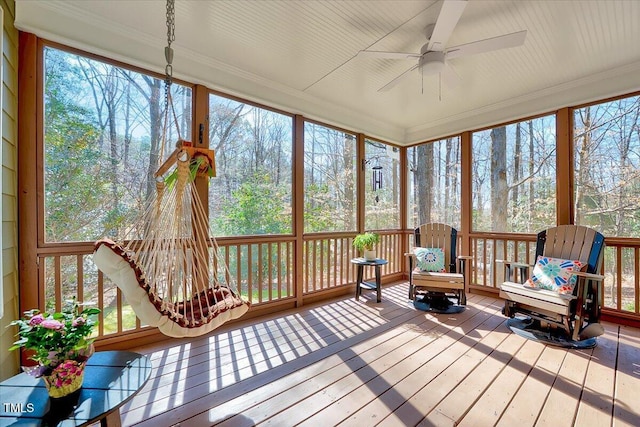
(409, 254)
(589, 276)
(462, 263)
(590, 295)
(512, 269)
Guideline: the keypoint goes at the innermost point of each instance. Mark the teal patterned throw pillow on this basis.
(430, 259)
(554, 274)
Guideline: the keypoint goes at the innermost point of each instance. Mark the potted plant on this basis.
(60, 343)
(365, 243)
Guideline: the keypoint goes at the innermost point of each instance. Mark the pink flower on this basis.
(78, 321)
(52, 324)
(36, 320)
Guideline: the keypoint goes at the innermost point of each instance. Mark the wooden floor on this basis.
(362, 363)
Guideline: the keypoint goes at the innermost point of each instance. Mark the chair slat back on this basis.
(436, 235)
(573, 242)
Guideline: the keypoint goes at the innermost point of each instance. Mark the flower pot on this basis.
(369, 255)
(65, 378)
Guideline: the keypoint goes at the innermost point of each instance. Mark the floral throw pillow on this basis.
(554, 274)
(430, 259)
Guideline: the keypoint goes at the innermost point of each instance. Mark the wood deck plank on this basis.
(487, 410)
(475, 384)
(170, 404)
(561, 405)
(529, 400)
(444, 351)
(350, 397)
(596, 403)
(309, 382)
(271, 337)
(465, 355)
(627, 386)
(363, 363)
(369, 365)
(393, 390)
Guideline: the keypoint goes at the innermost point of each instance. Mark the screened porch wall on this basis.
(277, 272)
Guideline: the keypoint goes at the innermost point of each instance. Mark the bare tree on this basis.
(516, 168)
(499, 189)
(423, 182)
(531, 165)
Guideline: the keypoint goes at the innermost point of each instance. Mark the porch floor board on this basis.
(362, 363)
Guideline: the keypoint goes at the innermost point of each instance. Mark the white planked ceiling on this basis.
(301, 56)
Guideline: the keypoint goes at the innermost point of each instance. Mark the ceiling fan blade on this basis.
(397, 80)
(388, 55)
(487, 45)
(448, 18)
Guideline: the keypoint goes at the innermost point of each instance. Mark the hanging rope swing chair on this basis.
(173, 277)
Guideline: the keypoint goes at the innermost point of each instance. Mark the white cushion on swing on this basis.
(118, 267)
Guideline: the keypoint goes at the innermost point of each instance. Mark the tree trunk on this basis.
(155, 116)
(447, 179)
(113, 173)
(583, 163)
(424, 182)
(532, 197)
(516, 170)
(349, 191)
(186, 119)
(454, 215)
(499, 192)
(127, 128)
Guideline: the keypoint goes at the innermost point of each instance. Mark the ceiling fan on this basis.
(434, 55)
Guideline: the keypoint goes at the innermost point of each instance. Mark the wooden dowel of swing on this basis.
(171, 160)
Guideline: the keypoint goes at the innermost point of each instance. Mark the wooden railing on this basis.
(621, 266)
(262, 269)
(327, 259)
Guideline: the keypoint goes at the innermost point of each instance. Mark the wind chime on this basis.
(376, 176)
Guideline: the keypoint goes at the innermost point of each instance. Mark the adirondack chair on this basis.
(560, 315)
(445, 281)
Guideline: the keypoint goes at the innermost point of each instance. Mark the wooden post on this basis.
(200, 140)
(30, 127)
(404, 171)
(298, 207)
(360, 178)
(564, 167)
(466, 200)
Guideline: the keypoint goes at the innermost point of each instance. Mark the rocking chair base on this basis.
(530, 329)
(437, 304)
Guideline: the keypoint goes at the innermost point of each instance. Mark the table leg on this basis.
(378, 284)
(358, 281)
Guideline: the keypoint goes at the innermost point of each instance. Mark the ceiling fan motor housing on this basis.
(431, 62)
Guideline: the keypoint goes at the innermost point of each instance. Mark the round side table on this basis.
(360, 284)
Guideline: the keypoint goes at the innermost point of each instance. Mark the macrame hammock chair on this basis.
(173, 277)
